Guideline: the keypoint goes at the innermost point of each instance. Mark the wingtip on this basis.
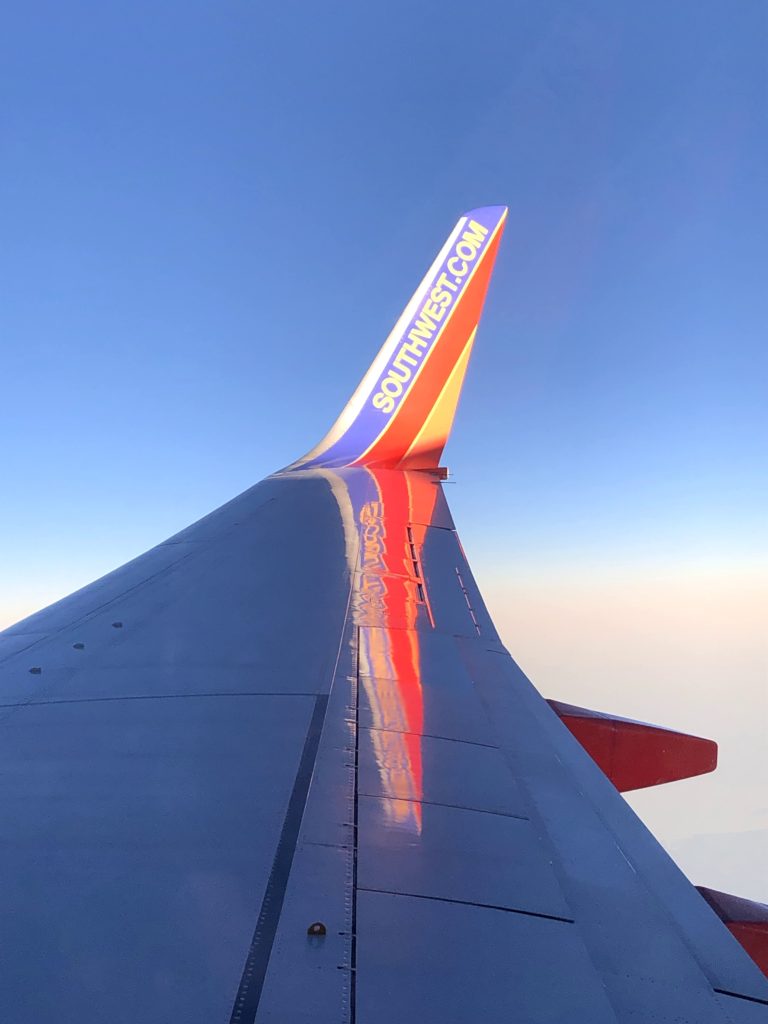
(402, 412)
(498, 212)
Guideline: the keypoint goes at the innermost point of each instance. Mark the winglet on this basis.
(401, 414)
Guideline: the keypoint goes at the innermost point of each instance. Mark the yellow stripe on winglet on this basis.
(428, 444)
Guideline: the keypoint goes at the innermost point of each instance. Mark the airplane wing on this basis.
(281, 768)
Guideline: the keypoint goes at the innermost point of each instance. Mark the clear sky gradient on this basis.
(212, 214)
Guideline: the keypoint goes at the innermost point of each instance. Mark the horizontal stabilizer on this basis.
(746, 920)
(635, 755)
(401, 414)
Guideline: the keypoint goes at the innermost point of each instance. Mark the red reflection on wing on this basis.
(392, 606)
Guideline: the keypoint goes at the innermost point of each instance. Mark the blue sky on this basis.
(212, 213)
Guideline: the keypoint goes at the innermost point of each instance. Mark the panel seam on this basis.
(740, 995)
(154, 696)
(471, 903)
(429, 735)
(257, 960)
(439, 803)
(355, 845)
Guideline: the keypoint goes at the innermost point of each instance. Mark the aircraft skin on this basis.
(282, 768)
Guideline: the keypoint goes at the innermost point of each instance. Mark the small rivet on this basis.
(35, 670)
(318, 928)
(117, 625)
(79, 647)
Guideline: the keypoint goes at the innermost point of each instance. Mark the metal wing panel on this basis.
(628, 927)
(425, 960)
(456, 854)
(133, 854)
(639, 914)
(394, 765)
(146, 773)
(179, 804)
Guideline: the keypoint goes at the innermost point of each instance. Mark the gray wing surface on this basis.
(298, 712)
